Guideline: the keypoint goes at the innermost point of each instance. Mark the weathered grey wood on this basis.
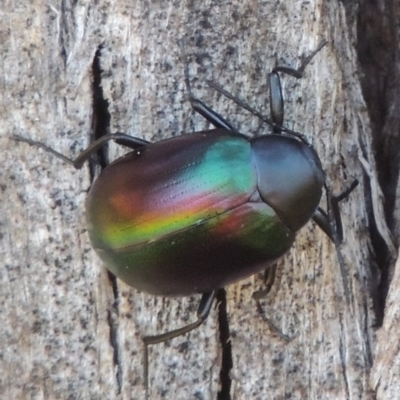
(380, 33)
(68, 330)
(385, 377)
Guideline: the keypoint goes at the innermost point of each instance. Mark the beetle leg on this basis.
(334, 202)
(337, 231)
(275, 96)
(276, 103)
(270, 324)
(120, 138)
(210, 115)
(322, 219)
(202, 313)
(269, 280)
(275, 90)
(128, 141)
(298, 72)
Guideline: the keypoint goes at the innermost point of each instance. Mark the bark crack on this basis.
(101, 126)
(101, 116)
(226, 344)
(342, 352)
(378, 58)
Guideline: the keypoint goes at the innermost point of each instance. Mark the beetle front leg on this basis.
(275, 90)
(334, 205)
(332, 226)
(321, 218)
(298, 72)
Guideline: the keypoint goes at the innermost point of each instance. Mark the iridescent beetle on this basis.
(194, 213)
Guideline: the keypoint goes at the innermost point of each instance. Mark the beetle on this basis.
(194, 213)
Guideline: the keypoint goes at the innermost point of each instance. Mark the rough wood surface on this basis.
(68, 329)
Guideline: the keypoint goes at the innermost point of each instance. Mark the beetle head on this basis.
(290, 177)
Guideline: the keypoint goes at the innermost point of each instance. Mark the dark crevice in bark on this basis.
(224, 337)
(379, 284)
(343, 358)
(62, 37)
(100, 126)
(114, 340)
(379, 57)
(101, 115)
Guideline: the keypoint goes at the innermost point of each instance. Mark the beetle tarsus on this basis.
(44, 147)
(305, 60)
(269, 280)
(270, 324)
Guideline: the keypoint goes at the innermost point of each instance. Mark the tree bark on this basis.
(73, 71)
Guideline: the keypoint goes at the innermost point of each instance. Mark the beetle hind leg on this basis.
(120, 138)
(202, 313)
(269, 279)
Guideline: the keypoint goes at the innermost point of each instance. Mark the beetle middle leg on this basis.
(200, 107)
(331, 224)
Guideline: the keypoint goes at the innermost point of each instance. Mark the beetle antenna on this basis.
(256, 113)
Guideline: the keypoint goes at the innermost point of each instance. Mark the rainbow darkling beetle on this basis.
(194, 213)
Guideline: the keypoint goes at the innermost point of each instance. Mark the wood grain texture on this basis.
(69, 330)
